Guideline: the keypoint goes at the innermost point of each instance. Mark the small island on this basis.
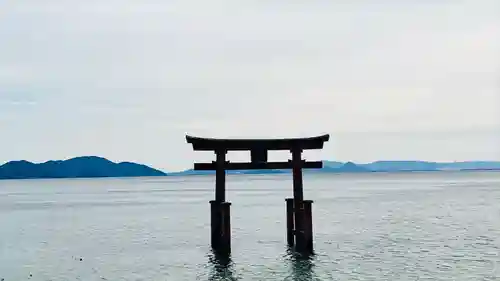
(79, 167)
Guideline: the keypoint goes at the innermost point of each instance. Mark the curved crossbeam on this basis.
(212, 144)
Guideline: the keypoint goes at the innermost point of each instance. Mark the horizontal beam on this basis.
(212, 144)
(257, 166)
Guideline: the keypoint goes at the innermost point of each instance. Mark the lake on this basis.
(402, 226)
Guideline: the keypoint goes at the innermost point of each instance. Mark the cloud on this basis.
(127, 79)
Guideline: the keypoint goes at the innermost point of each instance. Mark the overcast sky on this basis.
(128, 79)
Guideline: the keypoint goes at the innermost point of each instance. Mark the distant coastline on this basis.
(98, 167)
(79, 167)
(378, 166)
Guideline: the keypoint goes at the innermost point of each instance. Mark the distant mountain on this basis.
(471, 165)
(92, 167)
(332, 164)
(395, 166)
(378, 166)
(388, 166)
(79, 167)
(348, 167)
(330, 167)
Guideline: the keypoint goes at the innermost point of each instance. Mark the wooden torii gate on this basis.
(299, 214)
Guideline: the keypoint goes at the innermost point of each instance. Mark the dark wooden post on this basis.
(298, 196)
(225, 236)
(220, 176)
(298, 189)
(292, 234)
(220, 210)
(215, 223)
(220, 224)
(290, 222)
(308, 225)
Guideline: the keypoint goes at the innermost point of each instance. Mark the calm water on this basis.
(423, 226)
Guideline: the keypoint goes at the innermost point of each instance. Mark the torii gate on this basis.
(299, 214)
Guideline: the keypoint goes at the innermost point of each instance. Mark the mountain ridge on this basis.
(78, 167)
(377, 166)
(97, 167)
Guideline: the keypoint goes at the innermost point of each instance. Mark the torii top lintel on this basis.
(213, 144)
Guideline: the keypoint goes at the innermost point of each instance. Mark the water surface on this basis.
(408, 226)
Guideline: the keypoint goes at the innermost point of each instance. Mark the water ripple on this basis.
(376, 227)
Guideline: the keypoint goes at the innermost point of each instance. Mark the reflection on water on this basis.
(221, 267)
(301, 265)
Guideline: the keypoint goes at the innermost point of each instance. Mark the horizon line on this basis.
(191, 168)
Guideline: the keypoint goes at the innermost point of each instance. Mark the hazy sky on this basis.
(127, 79)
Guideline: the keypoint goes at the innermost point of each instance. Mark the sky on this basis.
(127, 80)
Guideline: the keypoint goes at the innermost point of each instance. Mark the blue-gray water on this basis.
(422, 226)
